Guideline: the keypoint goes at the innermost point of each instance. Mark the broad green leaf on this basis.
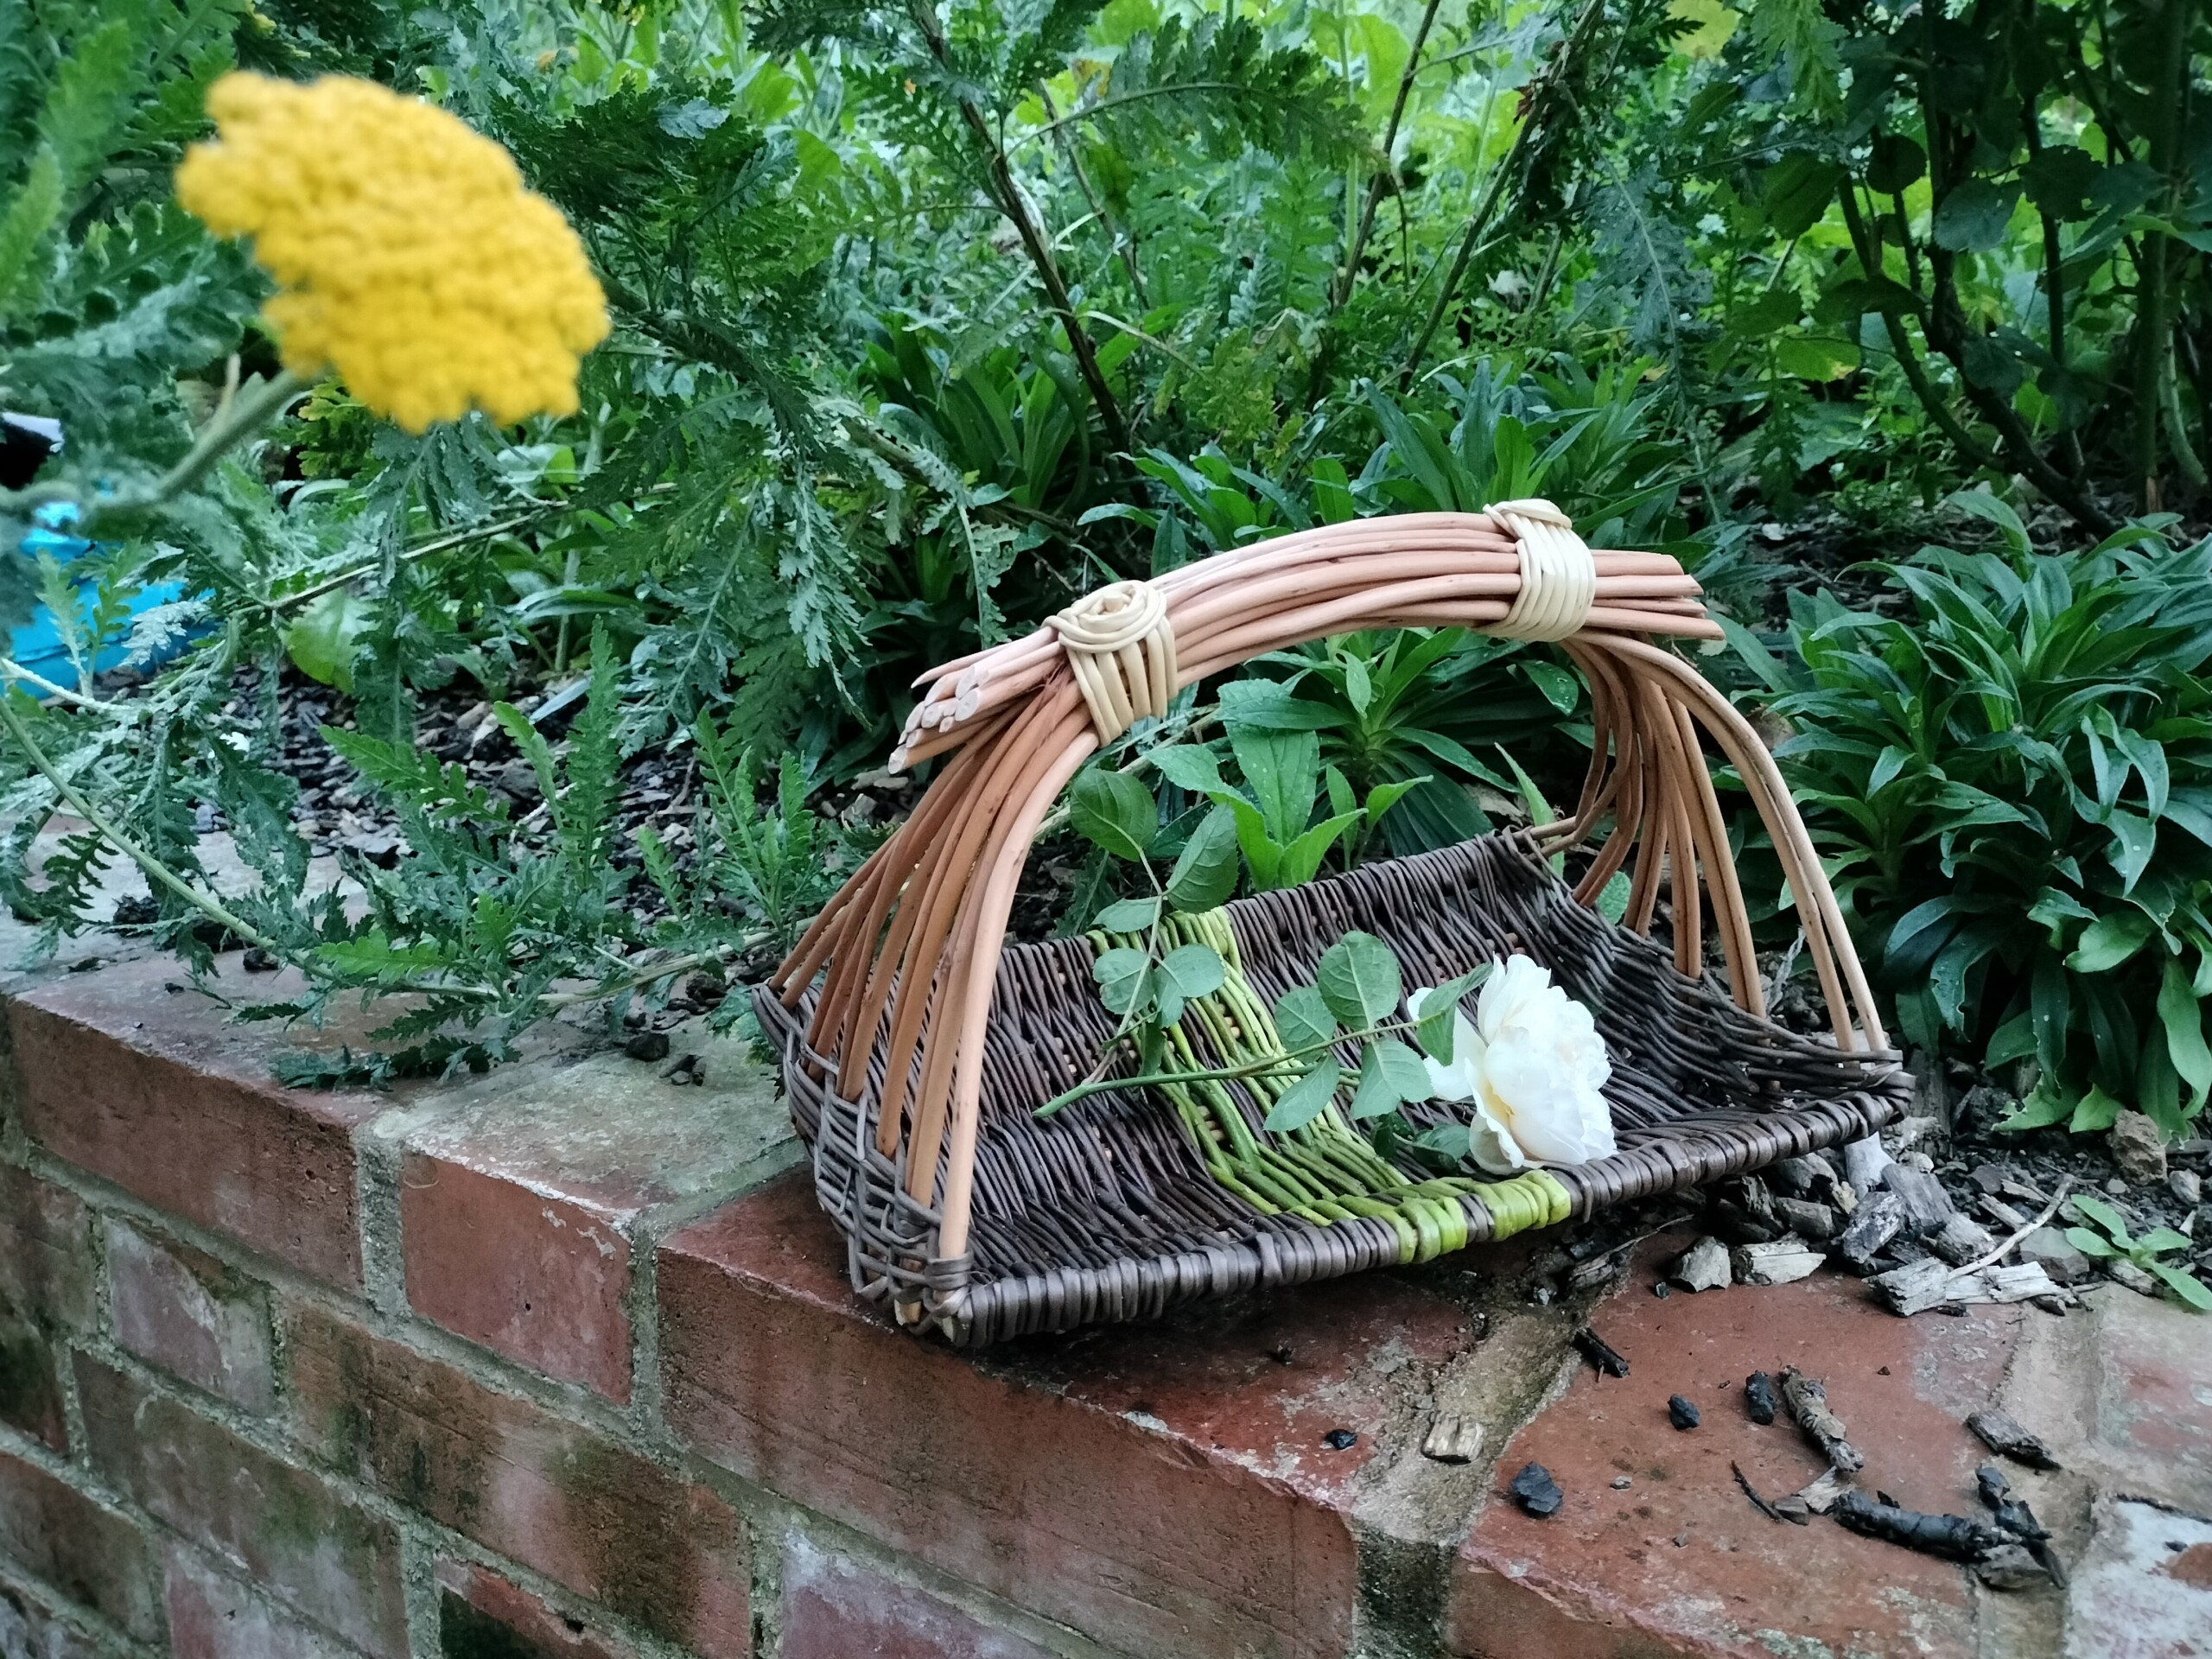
(1438, 1027)
(1282, 770)
(2090, 1243)
(1402, 1069)
(2179, 1013)
(323, 640)
(1120, 974)
(1205, 872)
(2090, 1207)
(1114, 811)
(1192, 970)
(1302, 858)
(1357, 978)
(1302, 1018)
(2134, 839)
(1972, 217)
(1373, 1095)
(1561, 688)
(1383, 797)
(1129, 915)
(2184, 1285)
(2094, 1112)
(1797, 190)
(2044, 1107)
(2164, 1240)
(2111, 940)
(1613, 897)
(1307, 1099)
(1189, 766)
(1451, 1140)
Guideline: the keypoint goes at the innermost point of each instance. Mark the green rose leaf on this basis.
(1357, 978)
(1114, 811)
(1120, 974)
(1971, 219)
(1192, 970)
(1302, 1018)
(1130, 915)
(1304, 1099)
(1206, 875)
(1399, 1068)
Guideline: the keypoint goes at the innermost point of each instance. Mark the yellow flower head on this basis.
(409, 255)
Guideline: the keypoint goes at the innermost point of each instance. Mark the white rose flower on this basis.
(1532, 1065)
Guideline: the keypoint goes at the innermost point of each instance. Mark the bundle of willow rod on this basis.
(912, 943)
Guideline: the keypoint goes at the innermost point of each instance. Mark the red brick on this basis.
(1605, 1577)
(284, 1529)
(30, 1630)
(88, 1552)
(528, 1274)
(212, 1616)
(835, 1608)
(533, 1485)
(160, 1094)
(1164, 1488)
(46, 1291)
(481, 1612)
(523, 1190)
(190, 1314)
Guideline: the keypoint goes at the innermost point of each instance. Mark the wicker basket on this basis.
(916, 1062)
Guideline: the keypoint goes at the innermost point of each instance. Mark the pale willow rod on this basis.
(912, 945)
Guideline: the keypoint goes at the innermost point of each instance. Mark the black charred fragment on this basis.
(1682, 1412)
(1951, 1537)
(1537, 1491)
(1759, 1398)
(1599, 1352)
(2004, 1435)
(1752, 1493)
(1340, 1439)
(2011, 1513)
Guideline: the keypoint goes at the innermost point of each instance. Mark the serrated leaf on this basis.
(1206, 872)
(1402, 1069)
(1307, 1099)
(1113, 810)
(1302, 1018)
(1192, 970)
(1127, 915)
(1359, 978)
(1120, 974)
(1972, 217)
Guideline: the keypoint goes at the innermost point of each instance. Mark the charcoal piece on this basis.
(1779, 1262)
(2004, 1435)
(1801, 1178)
(1682, 1412)
(2010, 1512)
(647, 1046)
(1340, 1439)
(2012, 1567)
(1599, 1352)
(1926, 1205)
(1807, 1218)
(1808, 1401)
(1704, 1266)
(1953, 1537)
(1960, 1240)
(1876, 1222)
(1758, 1397)
(1537, 1491)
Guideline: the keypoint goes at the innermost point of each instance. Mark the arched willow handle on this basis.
(911, 942)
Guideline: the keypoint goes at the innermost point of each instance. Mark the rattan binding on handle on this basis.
(888, 998)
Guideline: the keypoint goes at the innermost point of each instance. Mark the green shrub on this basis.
(2010, 773)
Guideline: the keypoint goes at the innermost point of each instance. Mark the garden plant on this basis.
(554, 396)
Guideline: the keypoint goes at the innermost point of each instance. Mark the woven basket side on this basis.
(912, 945)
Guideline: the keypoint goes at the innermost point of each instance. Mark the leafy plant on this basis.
(2107, 1239)
(2011, 780)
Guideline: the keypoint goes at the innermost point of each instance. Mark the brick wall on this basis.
(561, 1361)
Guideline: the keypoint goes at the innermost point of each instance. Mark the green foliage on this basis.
(2011, 780)
(2107, 1238)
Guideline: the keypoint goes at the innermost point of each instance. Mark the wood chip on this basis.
(1453, 1439)
(1783, 1261)
(1926, 1205)
(1704, 1266)
(2003, 1433)
(1920, 1286)
(1880, 1218)
(1816, 1498)
(1808, 1401)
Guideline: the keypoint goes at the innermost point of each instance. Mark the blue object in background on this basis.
(37, 644)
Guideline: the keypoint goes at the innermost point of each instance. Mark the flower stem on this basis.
(1261, 1067)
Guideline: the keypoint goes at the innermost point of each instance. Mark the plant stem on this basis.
(442, 545)
(213, 909)
(1348, 274)
(1259, 1067)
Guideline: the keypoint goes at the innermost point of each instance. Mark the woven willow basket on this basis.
(916, 1049)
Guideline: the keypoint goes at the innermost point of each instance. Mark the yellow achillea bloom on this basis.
(409, 256)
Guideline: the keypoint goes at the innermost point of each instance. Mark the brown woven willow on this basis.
(916, 1050)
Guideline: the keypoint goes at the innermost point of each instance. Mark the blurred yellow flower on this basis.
(409, 255)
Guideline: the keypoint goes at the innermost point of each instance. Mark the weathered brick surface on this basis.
(284, 1528)
(482, 1613)
(214, 1616)
(523, 1190)
(192, 1315)
(159, 1094)
(1165, 1490)
(45, 1291)
(88, 1552)
(532, 1275)
(837, 1608)
(29, 1630)
(534, 1486)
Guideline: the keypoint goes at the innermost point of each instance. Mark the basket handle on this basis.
(911, 942)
